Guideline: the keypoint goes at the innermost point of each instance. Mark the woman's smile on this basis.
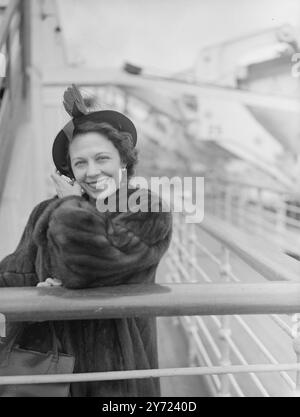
(97, 184)
(92, 185)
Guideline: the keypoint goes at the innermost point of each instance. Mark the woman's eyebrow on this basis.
(97, 154)
(102, 153)
(77, 157)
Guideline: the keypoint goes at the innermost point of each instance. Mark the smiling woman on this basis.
(99, 153)
(68, 241)
(94, 158)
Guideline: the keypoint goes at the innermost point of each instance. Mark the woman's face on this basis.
(93, 156)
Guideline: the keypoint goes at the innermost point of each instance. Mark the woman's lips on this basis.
(99, 184)
(92, 185)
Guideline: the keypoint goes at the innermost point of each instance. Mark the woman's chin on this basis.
(95, 193)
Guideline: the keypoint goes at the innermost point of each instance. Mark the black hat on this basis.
(75, 106)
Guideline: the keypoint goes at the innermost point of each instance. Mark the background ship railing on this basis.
(272, 212)
(195, 300)
(216, 252)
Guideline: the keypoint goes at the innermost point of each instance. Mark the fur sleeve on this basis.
(88, 248)
(18, 268)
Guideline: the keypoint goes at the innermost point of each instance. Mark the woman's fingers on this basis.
(77, 186)
(64, 187)
(50, 282)
(53, 282)
(60, 179)
(57, 180)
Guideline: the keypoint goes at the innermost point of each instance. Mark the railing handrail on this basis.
(7, 17)
(146, 373)
(42, 304)
(260, 187)
(264, 258)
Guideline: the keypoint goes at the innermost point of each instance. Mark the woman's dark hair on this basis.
(122, 141)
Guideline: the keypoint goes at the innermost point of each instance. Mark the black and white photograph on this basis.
(149, 201)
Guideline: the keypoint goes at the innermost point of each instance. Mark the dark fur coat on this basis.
(70, 240)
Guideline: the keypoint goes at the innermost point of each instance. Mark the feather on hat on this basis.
(74, 103)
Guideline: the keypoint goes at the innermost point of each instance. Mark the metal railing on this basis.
(272, 212)
(216, 252)
(13, 49)
(40, 304)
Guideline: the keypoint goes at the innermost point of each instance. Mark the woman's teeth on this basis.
(102, 182)
(99, 184)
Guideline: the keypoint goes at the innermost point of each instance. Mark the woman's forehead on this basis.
(91, 143)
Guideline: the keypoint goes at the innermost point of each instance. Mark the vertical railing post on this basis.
(179, 236)
(228, 203)
(234, 194)
(241, 209)
(260, 211)
(192, 251)
(281, 217)
(25, 39)
(213, 196)
(296, 346)
(225, 330)
(2, 325)
(9, 69)
(179, 240)
(192, 348)
(184, 244)
(220, 204)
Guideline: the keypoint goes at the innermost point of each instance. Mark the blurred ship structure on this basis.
(260, 63)
(232, 118)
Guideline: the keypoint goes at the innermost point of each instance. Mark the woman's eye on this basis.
(79, 163)
(102, 158)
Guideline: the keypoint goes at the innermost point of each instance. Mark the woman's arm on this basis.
(18, 268)
(88, 248)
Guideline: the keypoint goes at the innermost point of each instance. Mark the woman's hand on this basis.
(50, 282)
(65, 188)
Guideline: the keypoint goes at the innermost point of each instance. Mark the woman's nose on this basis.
(92, 169)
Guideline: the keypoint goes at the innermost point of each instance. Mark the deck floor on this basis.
(173, 353)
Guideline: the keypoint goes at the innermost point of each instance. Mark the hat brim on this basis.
(61, 143)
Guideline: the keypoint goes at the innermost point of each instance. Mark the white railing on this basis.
(272, 212)
(216, 252)
(193, 301)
